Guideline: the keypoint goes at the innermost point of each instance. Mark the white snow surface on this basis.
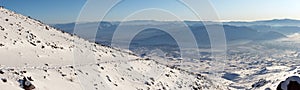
(60, 61)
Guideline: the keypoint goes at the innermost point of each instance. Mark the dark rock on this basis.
(25, 84)
(291, 83)
(1, 72)
(108, 78)
(147, 83)
(23, 72)
(168, 75)
(30, 79)
(4, 79)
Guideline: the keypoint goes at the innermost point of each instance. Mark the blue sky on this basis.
(257, 9)
(48, 11)
(64, 11)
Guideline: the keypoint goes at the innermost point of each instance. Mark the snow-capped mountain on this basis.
(34, 52)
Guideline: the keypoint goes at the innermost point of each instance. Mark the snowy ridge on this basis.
(29, 48)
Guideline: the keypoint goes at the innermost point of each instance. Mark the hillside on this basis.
(53, 60)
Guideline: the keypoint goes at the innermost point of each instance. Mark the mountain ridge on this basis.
(46, 55)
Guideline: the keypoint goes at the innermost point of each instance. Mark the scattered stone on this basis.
(11, 69)
(71, 67)
(260, 83)
(22, 72)
(46, 28)
(152, 79)
(147, 83)
(30, 79)
(4, 79)
(2, 28)
(16, 73)
(168, 75)
(1, 72)
(108, 78)
(45, 70)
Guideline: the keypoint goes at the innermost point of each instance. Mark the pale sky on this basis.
(64, 11)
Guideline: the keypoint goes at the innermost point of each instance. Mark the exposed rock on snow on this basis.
(291, 83)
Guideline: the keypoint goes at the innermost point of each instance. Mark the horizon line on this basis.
(218, 21)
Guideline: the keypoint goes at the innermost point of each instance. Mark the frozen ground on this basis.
(55, 60)
(256, 65)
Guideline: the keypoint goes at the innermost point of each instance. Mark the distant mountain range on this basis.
(234, 31)
(274, 22)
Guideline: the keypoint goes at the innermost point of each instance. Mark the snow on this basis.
(60, 61)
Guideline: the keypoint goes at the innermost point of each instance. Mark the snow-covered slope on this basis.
(29, 48)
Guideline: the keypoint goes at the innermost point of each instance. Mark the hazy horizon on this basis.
(55, 11)
(224, 21)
